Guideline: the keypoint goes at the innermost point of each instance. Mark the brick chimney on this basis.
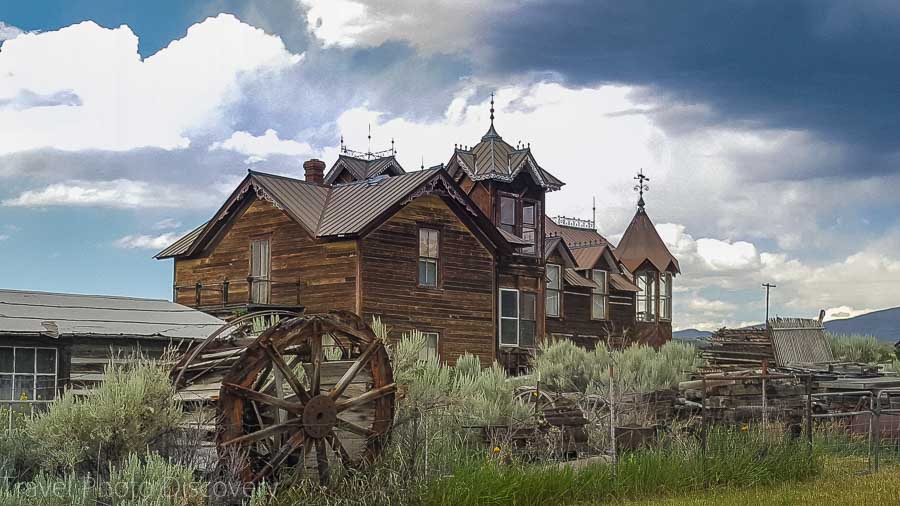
(315, 171)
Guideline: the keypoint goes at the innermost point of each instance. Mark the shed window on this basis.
(27, 382)
(554, 290)
(260, 271)
(518, 320)
(429, 256)
(430, 351)
(600, 296)
(647, 296)
(665, 296)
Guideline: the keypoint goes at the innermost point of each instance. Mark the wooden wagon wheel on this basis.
(316, 382)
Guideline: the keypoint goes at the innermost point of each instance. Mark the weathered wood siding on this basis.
(461, 309)
(326, 271)
(87, 357)
(577, 325)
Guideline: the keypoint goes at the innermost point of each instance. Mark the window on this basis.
(430, 351)
(429, 254)
(665, 296)
(600, 296)
(508, 214)
(518, 321)
(520, 218)
(554, 290)
(646, 297)
(260, 270)
(529, 215)
(27, 382)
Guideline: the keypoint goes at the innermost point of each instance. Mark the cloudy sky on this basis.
(770, 130)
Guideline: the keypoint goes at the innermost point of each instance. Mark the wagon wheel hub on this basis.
(319, 416)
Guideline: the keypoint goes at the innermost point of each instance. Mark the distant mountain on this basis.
(690, 334)
(884, 324)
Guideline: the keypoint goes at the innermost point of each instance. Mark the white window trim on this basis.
(12, 402)
(435, 260)
(500, 314)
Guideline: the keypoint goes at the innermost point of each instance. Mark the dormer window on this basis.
(520, 217)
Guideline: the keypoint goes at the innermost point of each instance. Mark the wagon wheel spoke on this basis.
(252, 395)
(339, 449)
(293, 443)
(269, 431)
(288, 374)
(322, 461)
(369, 396)
(316, 349)
(354, 428)
(354, 369)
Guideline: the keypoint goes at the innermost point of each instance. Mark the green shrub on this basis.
(152, 482)
(860, 348)
(129, 412)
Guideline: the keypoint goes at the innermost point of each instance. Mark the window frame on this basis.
(650, 280)
(423, 354)
(436, 260)
(602, 294)
(518, 319)
(261, 286)
(9, 405)
(665, 296)
(557, 291)
(520, 202)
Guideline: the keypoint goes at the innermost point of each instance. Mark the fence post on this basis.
(765, 403)
(612, 419)
(809, 417)
(877, 427)
(703, 423)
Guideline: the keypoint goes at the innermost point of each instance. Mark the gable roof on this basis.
(361, 169)
(337, 210)
(26, 313)
(587, 245)
(552, 244)
(641, 243)
(494, 158)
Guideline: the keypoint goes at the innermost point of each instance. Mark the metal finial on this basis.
(641, 187)
(492, 108)
(342, 144)
(369, 151)
(393, 151)
(423, 163)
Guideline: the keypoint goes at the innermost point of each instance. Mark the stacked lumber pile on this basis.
(738, 397)
(731, 349)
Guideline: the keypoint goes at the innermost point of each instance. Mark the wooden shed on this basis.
(54, 341)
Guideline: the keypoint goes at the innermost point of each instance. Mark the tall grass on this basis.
(732, 459)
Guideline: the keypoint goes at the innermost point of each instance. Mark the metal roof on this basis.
(182, 245)
(799, 341)
(494, 158)
(574, 279)
(574, 236)
(641, 243)
(25, 313)
(362, 169)
(620, 282)
(328, 210)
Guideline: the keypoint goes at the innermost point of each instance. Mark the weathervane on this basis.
(641, 187)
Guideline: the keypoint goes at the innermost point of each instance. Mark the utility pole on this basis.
(767, 286)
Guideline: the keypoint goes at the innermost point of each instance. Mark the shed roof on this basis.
(574, 279)
(28, 313)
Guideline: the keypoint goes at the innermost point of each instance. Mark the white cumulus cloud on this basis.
(258, 148)
(114, 100)
(156, 242)
(119, 193)
(8, 32)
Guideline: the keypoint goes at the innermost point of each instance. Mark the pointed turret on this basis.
(641, 243)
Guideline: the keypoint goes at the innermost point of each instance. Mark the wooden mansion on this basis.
(463, 252)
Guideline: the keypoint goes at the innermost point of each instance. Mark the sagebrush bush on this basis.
(860, 348)
(565, 367)
(130, 411)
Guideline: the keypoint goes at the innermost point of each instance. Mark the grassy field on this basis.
(835, 486)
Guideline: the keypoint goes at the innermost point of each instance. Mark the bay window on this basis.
(429, 256)
(27, 382)
(518, 320)
(520, 217)
(554, 290)
(600, 295)
(529, 226)
(646, 296)
(665, 296)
